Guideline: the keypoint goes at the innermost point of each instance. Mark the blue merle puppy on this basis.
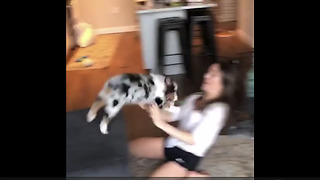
(132, 89)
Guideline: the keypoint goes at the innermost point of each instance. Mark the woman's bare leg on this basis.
(197, 174)
(148, 147)
(170, 169)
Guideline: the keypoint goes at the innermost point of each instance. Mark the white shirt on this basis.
(204, 126)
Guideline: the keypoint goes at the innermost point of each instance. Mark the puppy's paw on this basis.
(91, 116)
(104, 127)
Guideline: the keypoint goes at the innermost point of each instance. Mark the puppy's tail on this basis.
(96, 106)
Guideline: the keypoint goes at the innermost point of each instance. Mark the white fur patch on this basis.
(159, 84)
(104, 126)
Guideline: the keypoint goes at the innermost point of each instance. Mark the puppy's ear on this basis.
(168, 81)
(175, 86)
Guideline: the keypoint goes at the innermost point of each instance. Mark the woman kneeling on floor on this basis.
(201, 118)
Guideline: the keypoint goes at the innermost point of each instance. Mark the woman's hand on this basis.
(155, 114)
(145, 107)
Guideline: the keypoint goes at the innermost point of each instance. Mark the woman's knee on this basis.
(147, 147)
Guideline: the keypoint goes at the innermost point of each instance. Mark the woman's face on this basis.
(212, 82)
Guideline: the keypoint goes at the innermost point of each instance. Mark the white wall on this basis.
(245, 27)
(105, 14)
(70, 42)
(68, 38)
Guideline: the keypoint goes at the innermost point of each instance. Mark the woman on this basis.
(201, 117)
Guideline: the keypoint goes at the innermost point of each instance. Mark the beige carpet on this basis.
(100, 53)
(229, 157)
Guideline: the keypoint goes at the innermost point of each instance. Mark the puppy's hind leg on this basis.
(94, 109)
(104, 125)
(110, 113)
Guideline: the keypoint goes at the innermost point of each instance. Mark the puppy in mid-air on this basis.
(132, 89)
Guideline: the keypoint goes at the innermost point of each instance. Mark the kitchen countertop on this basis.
(163, 8)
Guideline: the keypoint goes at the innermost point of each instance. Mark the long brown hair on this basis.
(229, 76)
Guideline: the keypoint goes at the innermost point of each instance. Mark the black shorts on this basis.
(184, 158)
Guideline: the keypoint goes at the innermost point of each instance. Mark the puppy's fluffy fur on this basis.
(132, 89)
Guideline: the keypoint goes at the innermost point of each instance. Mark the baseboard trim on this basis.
(243, 36)
(116, 29)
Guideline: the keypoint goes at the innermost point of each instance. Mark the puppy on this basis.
(132, 89)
